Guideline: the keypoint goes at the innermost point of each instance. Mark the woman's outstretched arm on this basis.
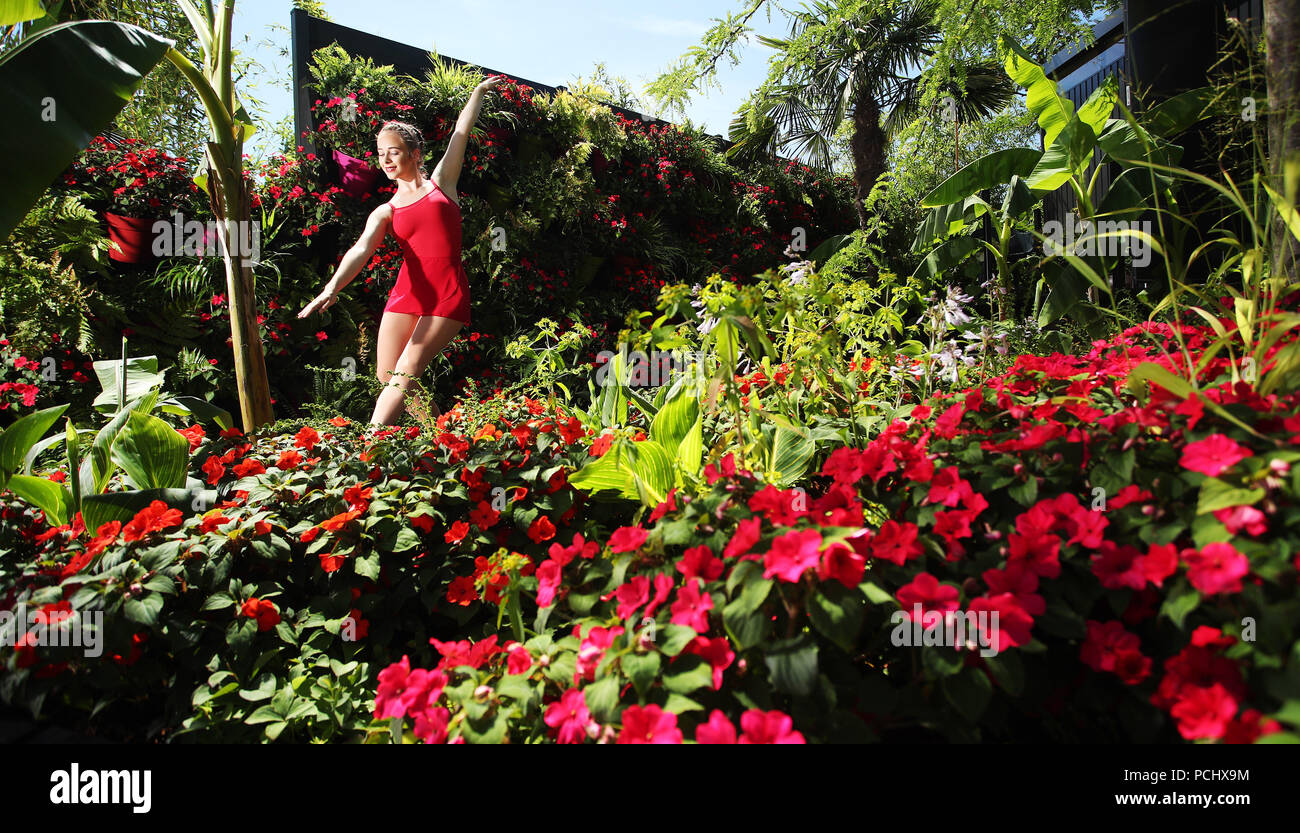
(447, 173)
(353, 260)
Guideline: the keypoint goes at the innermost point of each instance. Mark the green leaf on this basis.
(641, 669)
(792, 665)
(1052, 110)
(791, 451)
(837, 613)
(602, 698)
(688, 673)
(1216, 494)
(200, 409)
(1182, 600)
(989, 171)
(18, 438)
(144, 609)
(676, 704)
(969, 692)
(1067, 156)
(151, 452)
(87, 71)
(47, 495)
(676, 638)
(20, 11)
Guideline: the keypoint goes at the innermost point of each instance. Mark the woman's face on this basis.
(394, 157)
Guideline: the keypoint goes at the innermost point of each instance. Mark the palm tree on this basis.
(856, 68)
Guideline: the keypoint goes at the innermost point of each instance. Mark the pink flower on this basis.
(650, 724)
(1217, 568)
(792, 554)
(692, 608)
(1213, 454)
(548, 581)
(895, 542)
(717, 652)
(1204, 711)
(570, 715)
(632, 595)
(518, 660)
(717, 730)
(934, 598)
(768, 727)
(1237, 518)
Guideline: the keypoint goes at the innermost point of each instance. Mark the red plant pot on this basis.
(357, 177)
(134, 236)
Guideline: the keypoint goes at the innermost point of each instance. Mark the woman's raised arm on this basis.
(447, 173)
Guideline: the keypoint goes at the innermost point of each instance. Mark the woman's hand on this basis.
(320, 303)
(491, 82)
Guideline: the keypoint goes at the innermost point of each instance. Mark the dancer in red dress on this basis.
(430, 302)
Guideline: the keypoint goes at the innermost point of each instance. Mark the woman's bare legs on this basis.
(413, 349)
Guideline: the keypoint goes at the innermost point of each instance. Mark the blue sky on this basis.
(548, 42)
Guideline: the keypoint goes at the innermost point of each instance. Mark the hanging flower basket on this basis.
(357, 177)
(133, 237)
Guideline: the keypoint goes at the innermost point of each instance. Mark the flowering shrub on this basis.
(1139, 557)
(132, 177)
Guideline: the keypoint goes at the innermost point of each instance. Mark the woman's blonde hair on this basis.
(410, 135)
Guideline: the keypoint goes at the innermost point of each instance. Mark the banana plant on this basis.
(1072, 139)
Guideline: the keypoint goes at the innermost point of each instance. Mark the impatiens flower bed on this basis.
(1049, 556)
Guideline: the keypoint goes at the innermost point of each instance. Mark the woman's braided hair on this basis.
(409, 134)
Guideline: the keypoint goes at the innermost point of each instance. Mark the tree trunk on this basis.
(868, 147)
(230, 203)
(1282, 40)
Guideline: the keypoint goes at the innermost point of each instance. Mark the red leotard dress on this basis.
(432, 280)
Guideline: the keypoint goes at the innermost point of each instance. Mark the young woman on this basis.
(430, 302)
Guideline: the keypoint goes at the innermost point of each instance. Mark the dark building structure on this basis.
(1154, 49)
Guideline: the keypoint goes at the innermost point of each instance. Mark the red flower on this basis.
(1013, 625)
(518, 660)
(746, 536)
(541, 529)
(895, 542)
(650, 724)
(156, 517)
(249, 467)
(456, 532)
(288, 460)
(1109, 647)
(842, 563)
(213, 469)
(548, 581)
(424, 523)
(627, 538)
(263, 610)
(194, 434)
(484, 516)
(357, 498)
(306, 438)
(462, 591)
(700, 562)
(1212, 455)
